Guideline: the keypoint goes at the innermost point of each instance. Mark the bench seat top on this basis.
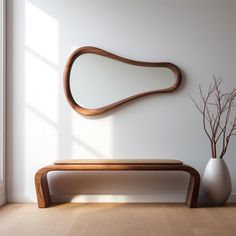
(118, 161)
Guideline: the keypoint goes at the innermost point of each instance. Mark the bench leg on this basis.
(42, 190)
(193, 189)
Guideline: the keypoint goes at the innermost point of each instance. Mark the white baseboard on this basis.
(116, 198)
(128, 198)
(109, 198)
(232, 198)
(21, 198)
(97, 198)
(2, 199)
(202, 198)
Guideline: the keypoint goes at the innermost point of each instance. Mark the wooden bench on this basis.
(41, 182)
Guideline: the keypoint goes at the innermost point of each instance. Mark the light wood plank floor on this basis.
(117, 220)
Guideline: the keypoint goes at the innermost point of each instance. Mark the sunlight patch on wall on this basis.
(41, 33)
(41, 86)
(41, 91)
(91, 138)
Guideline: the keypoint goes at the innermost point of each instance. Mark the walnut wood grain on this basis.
(89, 112)
(118, 161)
(43, 193)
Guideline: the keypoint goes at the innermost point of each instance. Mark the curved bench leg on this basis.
(42, 189)
(44, 198)
(193, 189)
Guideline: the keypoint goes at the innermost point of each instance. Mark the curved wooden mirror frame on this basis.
(98, 51)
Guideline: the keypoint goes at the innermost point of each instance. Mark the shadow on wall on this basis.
(50, 130)
(118, 186)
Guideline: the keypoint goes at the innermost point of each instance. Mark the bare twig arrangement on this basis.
(216, 108)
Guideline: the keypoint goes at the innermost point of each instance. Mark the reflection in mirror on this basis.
(97, 81)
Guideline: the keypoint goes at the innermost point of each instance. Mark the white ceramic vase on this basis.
(216, 182)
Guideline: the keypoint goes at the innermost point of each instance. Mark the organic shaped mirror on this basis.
(96, 81)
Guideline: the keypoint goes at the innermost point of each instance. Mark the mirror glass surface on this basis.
(97, 81)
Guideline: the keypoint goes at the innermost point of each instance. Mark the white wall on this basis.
(198, 36)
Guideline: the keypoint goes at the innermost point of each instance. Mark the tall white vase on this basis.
(217, 182)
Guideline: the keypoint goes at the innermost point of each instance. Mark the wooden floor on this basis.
(117, 220)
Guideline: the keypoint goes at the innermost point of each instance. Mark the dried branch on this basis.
(216, 108)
